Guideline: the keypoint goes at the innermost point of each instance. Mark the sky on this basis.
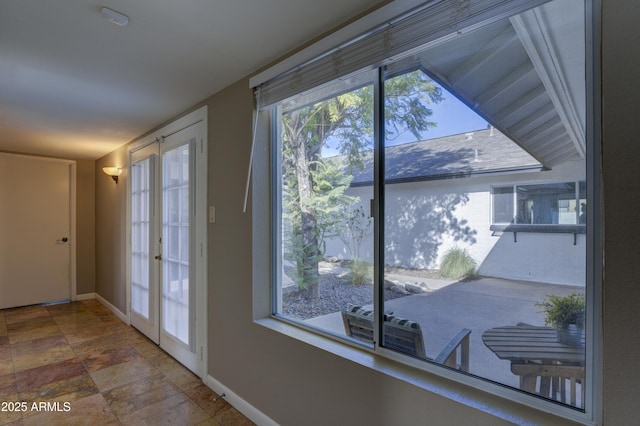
(452, 118)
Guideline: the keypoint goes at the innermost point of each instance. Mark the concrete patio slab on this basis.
(478, 305)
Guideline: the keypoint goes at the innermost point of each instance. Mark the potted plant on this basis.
(566, 314)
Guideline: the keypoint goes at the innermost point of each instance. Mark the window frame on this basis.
(549, 228)
(592, 409)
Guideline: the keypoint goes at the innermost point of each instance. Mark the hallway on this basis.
(90, 368)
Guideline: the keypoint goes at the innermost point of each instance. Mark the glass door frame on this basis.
(198, 260)
(147, 325)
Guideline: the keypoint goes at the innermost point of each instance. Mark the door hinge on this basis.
(201, 354)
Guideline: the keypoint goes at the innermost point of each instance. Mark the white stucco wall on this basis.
(426, 219)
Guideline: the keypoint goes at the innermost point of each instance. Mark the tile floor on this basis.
(77, 363)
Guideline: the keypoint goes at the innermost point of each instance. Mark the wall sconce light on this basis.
(114, 172)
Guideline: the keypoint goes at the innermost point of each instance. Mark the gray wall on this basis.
(294, 383)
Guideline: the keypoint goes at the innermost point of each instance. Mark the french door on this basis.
(166, 255)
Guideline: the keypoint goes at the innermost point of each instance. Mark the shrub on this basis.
(457, 264)
(361, 272)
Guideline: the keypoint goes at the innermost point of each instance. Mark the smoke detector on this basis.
(114, 17)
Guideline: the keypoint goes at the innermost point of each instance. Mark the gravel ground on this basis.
(336, 292)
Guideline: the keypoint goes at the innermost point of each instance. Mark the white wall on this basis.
(426, 219)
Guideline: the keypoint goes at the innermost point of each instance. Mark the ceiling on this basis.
(76, 86)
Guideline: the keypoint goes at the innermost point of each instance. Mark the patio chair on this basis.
(553, 379)
(406, 336)
(557, 382)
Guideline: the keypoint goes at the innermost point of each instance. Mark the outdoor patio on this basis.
(477, 305)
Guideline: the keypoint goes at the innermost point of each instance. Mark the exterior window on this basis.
(325, 139)
(385, 180)
(503, 205)
(541, 204)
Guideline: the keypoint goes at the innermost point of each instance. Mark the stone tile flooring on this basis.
(78, 364)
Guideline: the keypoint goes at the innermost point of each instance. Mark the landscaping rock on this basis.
(388, 284)
(413, 288)
(397, 289)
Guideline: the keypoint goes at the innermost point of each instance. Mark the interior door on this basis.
(163, 268)
(34, 230)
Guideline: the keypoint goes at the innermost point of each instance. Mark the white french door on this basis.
(145, 242)
(166, 270)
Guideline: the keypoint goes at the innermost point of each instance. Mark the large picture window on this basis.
(385, 180)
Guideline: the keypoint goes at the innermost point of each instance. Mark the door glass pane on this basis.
(140, 243)
(176, 243)
(326, 232)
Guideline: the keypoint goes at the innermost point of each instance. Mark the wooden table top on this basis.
(530, 343)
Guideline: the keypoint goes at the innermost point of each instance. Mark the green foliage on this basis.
(326, 203)
(560, 311)
(406, 100)
(313, 189)
(457, 264)
(303, 259)
(361, 272)
(357, 226)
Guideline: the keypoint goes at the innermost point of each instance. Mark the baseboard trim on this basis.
(86, 296)
(251, 412)
(112, 308)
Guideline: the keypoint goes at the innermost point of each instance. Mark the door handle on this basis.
(158, 257)
(62, 240)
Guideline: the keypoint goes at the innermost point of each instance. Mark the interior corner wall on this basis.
(85, 227)
(110, 234)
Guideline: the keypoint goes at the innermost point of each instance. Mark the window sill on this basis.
(542, 229)
(505, 404)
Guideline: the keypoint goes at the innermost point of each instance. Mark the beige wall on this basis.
(621, 162)
(111, 215)
(85, 227)
(295, 383)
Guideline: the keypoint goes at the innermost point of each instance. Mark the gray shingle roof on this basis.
(462, 155)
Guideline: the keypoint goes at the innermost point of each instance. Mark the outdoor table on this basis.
(535, 352)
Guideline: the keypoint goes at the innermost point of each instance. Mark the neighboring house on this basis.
(481, 192)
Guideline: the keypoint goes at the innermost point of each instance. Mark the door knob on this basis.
(158, 257)
(62, 240)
